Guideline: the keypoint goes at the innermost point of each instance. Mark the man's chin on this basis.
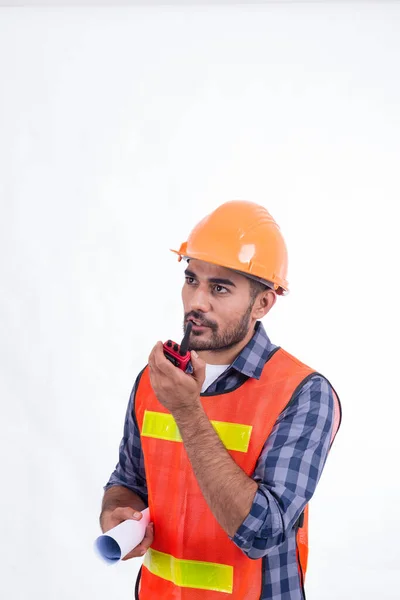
(202, 348)
(200, 345)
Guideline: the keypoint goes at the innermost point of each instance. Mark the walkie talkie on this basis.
(179, 355)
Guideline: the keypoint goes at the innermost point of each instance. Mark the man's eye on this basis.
(220, 289)
(189, 280)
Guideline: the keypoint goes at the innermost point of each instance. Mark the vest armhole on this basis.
(298, 388)
(137, 584)
(263, 576)
(303, 382)
(136, 386)
(339, 406)
(271, 354)
(300, 521)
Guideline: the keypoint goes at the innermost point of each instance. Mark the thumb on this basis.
(199, 367)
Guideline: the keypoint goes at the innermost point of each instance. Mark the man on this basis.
(228, 454)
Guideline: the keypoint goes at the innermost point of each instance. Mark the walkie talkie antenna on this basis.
(185, 342)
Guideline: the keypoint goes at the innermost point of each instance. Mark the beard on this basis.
(218, 341)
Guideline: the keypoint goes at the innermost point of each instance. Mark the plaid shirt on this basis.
(288, 468)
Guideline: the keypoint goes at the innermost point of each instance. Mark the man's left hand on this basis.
(176, 390)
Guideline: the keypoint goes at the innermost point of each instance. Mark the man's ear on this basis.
(264, 303)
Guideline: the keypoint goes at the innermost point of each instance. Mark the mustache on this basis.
(198, 317)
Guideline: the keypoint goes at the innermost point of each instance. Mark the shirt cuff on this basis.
(255, 524)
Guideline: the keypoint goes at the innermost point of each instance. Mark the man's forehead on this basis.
(205, 269)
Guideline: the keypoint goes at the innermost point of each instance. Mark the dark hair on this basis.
(256, 287)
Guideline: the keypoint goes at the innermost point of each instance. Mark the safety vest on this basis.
(192, 557)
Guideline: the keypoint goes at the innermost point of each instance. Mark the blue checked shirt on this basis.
(287, 471)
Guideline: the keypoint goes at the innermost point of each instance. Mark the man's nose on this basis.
(200, 300)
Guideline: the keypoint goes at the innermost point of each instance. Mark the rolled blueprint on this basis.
(116, 543)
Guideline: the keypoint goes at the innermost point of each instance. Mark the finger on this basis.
(141, 549)
(126, 512)
(199, 367)
(151, 355)
(135, 553)
(114, 517)
(161, 362)
(147, 540)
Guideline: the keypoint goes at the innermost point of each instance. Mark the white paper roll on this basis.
(116, 543)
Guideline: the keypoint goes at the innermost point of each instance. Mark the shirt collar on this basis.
(254, 355)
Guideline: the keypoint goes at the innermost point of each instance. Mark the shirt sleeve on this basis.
(288, 468)
(130, 471)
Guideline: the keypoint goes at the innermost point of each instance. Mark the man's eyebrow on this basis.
(217, 280)
(221, 281)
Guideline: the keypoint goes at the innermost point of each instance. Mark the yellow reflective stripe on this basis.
(190, 573)
(162, 426)
(234, 436)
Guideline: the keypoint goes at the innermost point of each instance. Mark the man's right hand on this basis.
(112, 518)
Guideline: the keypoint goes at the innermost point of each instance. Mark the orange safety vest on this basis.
(191, 557)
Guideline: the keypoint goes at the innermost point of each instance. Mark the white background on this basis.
(119, 130)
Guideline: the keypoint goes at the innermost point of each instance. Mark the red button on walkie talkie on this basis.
(179, 355)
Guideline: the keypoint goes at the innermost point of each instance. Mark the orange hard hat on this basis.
(242, 236)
